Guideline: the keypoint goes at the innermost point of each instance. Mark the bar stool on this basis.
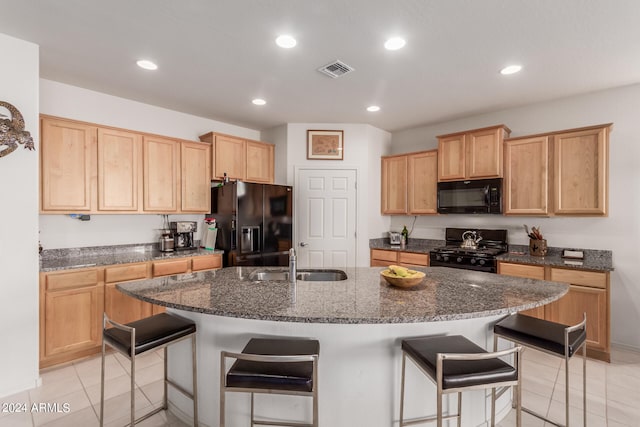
(552, 338)
(144, 335)
(279, 366)
(456, 364)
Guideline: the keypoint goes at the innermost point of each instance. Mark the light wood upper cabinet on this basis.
(161, 161)
(195, 176)
(581, 159)
(451, 158)
(229, 157)
(68, 166)
(526, 176)
(260, 162)
(422, 183)
(394, 185)
(241, 159)
(473, 154)
(119, 170)
(409, 183)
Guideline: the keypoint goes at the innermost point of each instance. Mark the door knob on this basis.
(303, 244)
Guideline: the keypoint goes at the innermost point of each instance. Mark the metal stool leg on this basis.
(195, 380)
(252, 410)
(404, 359)
(222, 390)
(459, 409)
(102, 387)
(584, 384)
(133, 387)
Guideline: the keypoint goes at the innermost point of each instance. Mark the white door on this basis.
(326, 218)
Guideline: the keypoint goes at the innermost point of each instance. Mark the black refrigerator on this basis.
(255, 222)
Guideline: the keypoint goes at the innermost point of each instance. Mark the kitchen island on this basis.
(359, 323)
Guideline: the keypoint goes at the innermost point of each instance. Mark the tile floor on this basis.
(613, 392)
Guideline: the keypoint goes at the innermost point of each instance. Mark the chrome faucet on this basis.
(292, 265)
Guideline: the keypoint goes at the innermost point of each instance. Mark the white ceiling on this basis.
(216, 56)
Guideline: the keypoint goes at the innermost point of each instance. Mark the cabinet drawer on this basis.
(521, 270)
(378, 263)
(413, 258)
(164, 268)
(208, 262)
(125, 272)
(384, 255)
(579, 277)
(72, 279)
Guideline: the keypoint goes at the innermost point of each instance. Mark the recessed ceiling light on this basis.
(147, 65)
(511, 69)
(395, 43)
(373, 108)
(259, 101)
(286, 41)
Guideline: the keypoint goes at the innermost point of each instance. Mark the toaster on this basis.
(394, 237)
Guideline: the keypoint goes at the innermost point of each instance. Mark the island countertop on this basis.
(365, 297)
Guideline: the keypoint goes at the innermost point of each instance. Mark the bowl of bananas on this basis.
(402, 277)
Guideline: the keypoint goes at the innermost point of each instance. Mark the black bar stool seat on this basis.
(456, 364)
(272, 365)
(457, 373)
(144, 335)
(540, 333)
(552, 338)
(290, 376)
(151, 333)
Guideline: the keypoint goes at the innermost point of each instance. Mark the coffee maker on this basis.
(183, 234)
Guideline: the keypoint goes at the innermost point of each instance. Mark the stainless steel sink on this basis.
(269, 275)
(310, 275)
(321, 275)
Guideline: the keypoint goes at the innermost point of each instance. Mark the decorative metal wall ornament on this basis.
(12, 131)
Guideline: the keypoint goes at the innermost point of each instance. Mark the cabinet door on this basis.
(581, 299)
(526, 176)
(68, 164)
(229, 156)
(422, 183)
(259, 166)
(123, 308)
(581, 172)
(195, 177)
(529, 272)
(451, 158)
(394, 185)
(71, 307)
(119, 170)
(382, 258)
(161, 161)
(484, 153)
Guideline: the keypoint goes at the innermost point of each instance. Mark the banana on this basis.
(399, 271)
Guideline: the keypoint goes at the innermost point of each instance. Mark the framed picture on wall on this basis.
(325, 145)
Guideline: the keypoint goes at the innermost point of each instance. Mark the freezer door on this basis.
(278, 220)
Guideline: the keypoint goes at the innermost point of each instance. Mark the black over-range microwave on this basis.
(481, 196)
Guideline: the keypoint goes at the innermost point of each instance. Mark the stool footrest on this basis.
(426, 420)
(281, 423)
(180, 389)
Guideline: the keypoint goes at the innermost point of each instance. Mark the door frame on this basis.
(296, 195)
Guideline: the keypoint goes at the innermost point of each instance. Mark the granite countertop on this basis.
(421, 246)
(445, 294)
(594, 259)
(63, 259)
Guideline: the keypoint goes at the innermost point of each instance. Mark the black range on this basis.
(470, 249)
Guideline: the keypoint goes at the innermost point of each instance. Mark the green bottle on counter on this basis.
(405, 235)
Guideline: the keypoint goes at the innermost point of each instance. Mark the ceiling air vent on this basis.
(335, 69)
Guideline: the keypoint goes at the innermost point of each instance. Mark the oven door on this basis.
(470, 197)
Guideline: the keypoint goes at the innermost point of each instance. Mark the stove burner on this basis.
(493, 243)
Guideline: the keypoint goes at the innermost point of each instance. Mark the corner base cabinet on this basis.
(588, 293)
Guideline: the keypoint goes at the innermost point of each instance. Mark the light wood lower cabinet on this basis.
(383, 258)
(120, 307)
(72, 303)
(71, 306)
(588, 293)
